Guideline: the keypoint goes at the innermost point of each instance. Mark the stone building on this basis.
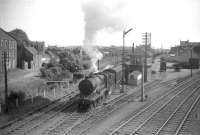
(40, 48)
(8, 45)
(29, 52)
(21, 37)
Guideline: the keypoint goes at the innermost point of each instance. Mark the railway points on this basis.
(67, 121)
(134, 124)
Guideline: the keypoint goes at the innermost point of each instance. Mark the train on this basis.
(163, 65)
(97, 87)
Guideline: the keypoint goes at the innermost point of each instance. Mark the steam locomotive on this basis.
(97, 87)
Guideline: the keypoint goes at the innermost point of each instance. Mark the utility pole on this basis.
(98, 61)
(147, 42)
(123, 62)
(191, 62)
(142, 82)
(122, 90)
(6, 83)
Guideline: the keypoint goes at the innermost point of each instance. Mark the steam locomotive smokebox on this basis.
(87, 86)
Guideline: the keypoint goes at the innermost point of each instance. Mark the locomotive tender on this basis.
(97, 87)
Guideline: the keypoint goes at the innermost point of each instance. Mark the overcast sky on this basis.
(71, 22)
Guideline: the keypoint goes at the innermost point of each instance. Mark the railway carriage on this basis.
(97, 87)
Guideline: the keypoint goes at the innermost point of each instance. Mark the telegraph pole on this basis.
(147, 42)
(98, 61)
(145, 59)
(142, 82)
(191, 62)
(6, 83)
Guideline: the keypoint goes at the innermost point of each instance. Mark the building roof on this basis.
(31, 50)
(51, 54)
(19, 34)
(188, 43)
(135, 73)
(4, 35)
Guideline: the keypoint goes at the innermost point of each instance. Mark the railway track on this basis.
(91, 120)
(53, 112)
(153, 116)
(28, 124)
(174, 122)
(66, 125)
(190, 123)
(42, 115)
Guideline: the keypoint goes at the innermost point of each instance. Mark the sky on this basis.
(101, 22)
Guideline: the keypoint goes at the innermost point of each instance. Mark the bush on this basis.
(43, 72)
(16, 95)
(55, 70)
(86, 65)
(78, 76)
(153, 72)
(66, 74)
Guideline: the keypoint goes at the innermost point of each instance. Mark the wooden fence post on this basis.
(68, 85)
(32, 99)
(37, 92)
(17, 102)
(54, 92)
(44, 93)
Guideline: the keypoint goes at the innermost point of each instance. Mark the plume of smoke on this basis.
(108, 66)
(98, 17)
(94, 54)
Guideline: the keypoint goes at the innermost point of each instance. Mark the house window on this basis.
(6, 44)
(1, 44)
(15, 45)
(11, 45)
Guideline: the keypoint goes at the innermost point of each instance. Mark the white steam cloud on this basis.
(99, 16)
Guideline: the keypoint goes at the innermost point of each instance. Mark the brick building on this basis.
(29, 52)
(30, 58)
(8, 44)
(182, 52)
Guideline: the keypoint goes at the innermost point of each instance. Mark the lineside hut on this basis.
(129, 68)
(134, 78)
